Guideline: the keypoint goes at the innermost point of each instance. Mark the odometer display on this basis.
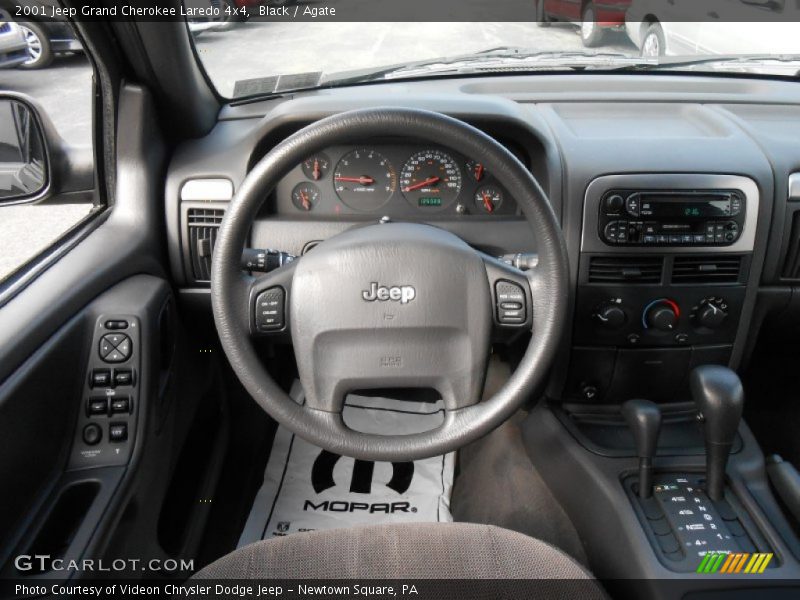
(430, 179)
(364, 180)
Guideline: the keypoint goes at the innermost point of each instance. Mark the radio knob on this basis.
(711, 314)
(609, 316)
(614, 204)
(661, 315)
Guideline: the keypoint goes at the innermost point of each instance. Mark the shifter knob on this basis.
(719, 396)
(644, 419)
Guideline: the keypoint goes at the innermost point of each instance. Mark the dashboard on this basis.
(677, 214)
(394, 179)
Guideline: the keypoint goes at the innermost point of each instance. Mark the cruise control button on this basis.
(511, 305)
(270, 309)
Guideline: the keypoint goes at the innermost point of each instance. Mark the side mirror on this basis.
(24, 164)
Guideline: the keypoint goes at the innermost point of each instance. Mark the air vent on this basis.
(203, 224)
(706, 269)
(791, 265)
(627, 269)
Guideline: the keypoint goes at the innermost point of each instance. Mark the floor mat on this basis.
(307, 488)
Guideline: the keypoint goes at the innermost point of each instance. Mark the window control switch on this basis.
(120, 405)
(97, 406)
(101, 378)
(123, 377)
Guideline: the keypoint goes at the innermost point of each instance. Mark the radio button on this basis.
(632, 206)
(699, 239)
(649, 239)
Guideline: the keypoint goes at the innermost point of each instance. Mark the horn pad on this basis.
(391, 305)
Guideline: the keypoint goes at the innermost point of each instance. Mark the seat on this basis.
(410, 551)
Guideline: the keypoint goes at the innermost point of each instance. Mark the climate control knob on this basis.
(609, 316)
(661, 315)
(711, 313)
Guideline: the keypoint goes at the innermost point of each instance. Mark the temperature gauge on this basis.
(475, 170)
(488, 199)
(316, 167)
(305, 196)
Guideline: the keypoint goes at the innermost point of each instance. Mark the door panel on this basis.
(49, 325)
(45, 408)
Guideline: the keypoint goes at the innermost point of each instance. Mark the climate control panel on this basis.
(633, 316)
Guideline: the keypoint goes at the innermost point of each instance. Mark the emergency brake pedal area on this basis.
(307, 488)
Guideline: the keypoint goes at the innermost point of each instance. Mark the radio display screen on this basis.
(683, 208)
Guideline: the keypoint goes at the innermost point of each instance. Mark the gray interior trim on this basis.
(207, 190)
(794, 187)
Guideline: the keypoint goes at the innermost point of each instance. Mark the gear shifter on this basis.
(644, 419)
(719, 396)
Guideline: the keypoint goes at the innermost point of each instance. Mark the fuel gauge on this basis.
(488, 199)
(305, 196)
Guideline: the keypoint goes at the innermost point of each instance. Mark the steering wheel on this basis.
(390, 305)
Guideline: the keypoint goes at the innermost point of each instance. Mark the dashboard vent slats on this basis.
(706, 269)
(203, 224)
(628, 269)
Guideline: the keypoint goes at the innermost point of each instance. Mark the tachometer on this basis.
(430, 178)
(364, 180)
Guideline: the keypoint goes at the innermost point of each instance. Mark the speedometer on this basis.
(430, 179)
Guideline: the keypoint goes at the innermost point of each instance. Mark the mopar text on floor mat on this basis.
(307, 488)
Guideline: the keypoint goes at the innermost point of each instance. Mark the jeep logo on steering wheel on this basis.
(397, 293)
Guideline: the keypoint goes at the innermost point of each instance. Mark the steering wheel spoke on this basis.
(512, 299)
(268, 301)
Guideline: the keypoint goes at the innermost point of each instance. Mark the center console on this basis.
(662, 281)
(666, 486)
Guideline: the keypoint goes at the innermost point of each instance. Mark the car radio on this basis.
(671, 218)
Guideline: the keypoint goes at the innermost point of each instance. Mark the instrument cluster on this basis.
(392, 180)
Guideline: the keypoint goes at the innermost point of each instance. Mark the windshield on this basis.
(262, 47)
